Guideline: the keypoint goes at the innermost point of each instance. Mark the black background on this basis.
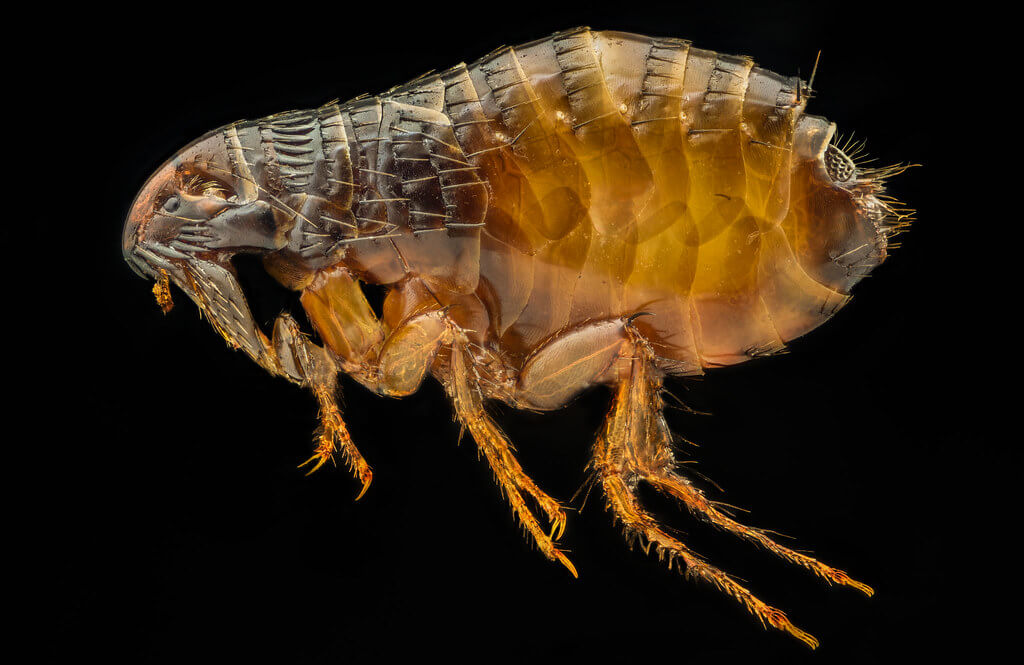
(180, 529)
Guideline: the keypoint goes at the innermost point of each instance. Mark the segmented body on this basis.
(584, 176)
(591, 208)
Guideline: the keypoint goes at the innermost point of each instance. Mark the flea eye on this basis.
(839, 167)
(171, 204)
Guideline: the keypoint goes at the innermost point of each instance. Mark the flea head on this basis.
(196, 205)
(192, 215)
(840, 221)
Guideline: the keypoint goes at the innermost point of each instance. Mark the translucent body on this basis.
(592, 208)
(673, 181)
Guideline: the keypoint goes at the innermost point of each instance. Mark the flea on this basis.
(593, 208)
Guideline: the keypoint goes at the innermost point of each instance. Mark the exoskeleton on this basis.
(591, 208)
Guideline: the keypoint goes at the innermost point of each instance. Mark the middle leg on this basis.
(394, 358)
(468, 401)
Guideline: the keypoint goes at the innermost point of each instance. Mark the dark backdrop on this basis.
(184, 531)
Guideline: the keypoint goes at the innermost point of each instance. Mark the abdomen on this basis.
(629, 174)
(621, 174)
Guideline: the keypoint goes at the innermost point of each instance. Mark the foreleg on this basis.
(312, 366)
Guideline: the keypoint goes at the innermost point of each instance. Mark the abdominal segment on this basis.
(633, 174)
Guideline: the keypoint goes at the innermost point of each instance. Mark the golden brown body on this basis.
(590, 208)
(634, 175)
(619, 174)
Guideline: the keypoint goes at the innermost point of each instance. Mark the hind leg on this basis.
(634, 446)
(664, 479)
